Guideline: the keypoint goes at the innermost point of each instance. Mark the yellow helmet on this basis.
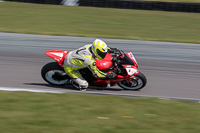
(99, 49)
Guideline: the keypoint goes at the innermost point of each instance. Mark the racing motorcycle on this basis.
(123, 64)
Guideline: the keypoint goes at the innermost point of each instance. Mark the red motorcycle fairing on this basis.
(105, 63)
(57, 55)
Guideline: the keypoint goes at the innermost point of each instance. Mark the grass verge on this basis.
(25, 112)
(99, 22)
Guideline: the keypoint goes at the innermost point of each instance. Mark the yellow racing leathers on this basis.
(78, 59)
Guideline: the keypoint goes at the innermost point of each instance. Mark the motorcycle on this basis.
(123, 64)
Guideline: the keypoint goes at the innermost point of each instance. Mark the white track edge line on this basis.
(96, 93)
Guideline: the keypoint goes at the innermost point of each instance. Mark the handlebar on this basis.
(118, 54)
(116, 60)
(121, 53)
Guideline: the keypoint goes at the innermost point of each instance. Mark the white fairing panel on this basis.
(131, 71)
(57, 54)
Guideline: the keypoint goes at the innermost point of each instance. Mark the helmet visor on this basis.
(101, 54)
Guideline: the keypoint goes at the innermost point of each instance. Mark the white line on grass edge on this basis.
(94, 93)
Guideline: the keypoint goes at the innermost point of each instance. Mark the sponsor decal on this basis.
(131, 55)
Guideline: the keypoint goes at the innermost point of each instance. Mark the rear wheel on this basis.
(137, 83)
(54, 74)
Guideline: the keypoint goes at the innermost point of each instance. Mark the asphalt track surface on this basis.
(172, 69)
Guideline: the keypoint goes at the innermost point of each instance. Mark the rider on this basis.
(85, 57)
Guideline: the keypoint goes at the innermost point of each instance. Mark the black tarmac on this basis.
(172, 69)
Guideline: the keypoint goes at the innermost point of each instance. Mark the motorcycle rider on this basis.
(85, 57)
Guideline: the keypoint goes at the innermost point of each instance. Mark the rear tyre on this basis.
(137, 83)
(54, 74)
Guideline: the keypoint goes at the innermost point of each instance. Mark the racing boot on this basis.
(80, 83)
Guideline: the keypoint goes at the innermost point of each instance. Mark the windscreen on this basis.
(126, 60)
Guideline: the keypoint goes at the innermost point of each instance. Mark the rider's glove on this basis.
(110, 75)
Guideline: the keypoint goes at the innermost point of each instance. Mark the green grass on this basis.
(25, 112)
(99, 22)
(188, 1)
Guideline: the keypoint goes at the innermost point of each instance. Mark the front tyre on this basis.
(54, 74)
(137, 83)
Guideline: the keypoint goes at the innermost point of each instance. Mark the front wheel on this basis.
(137, 82)
(54, 74)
